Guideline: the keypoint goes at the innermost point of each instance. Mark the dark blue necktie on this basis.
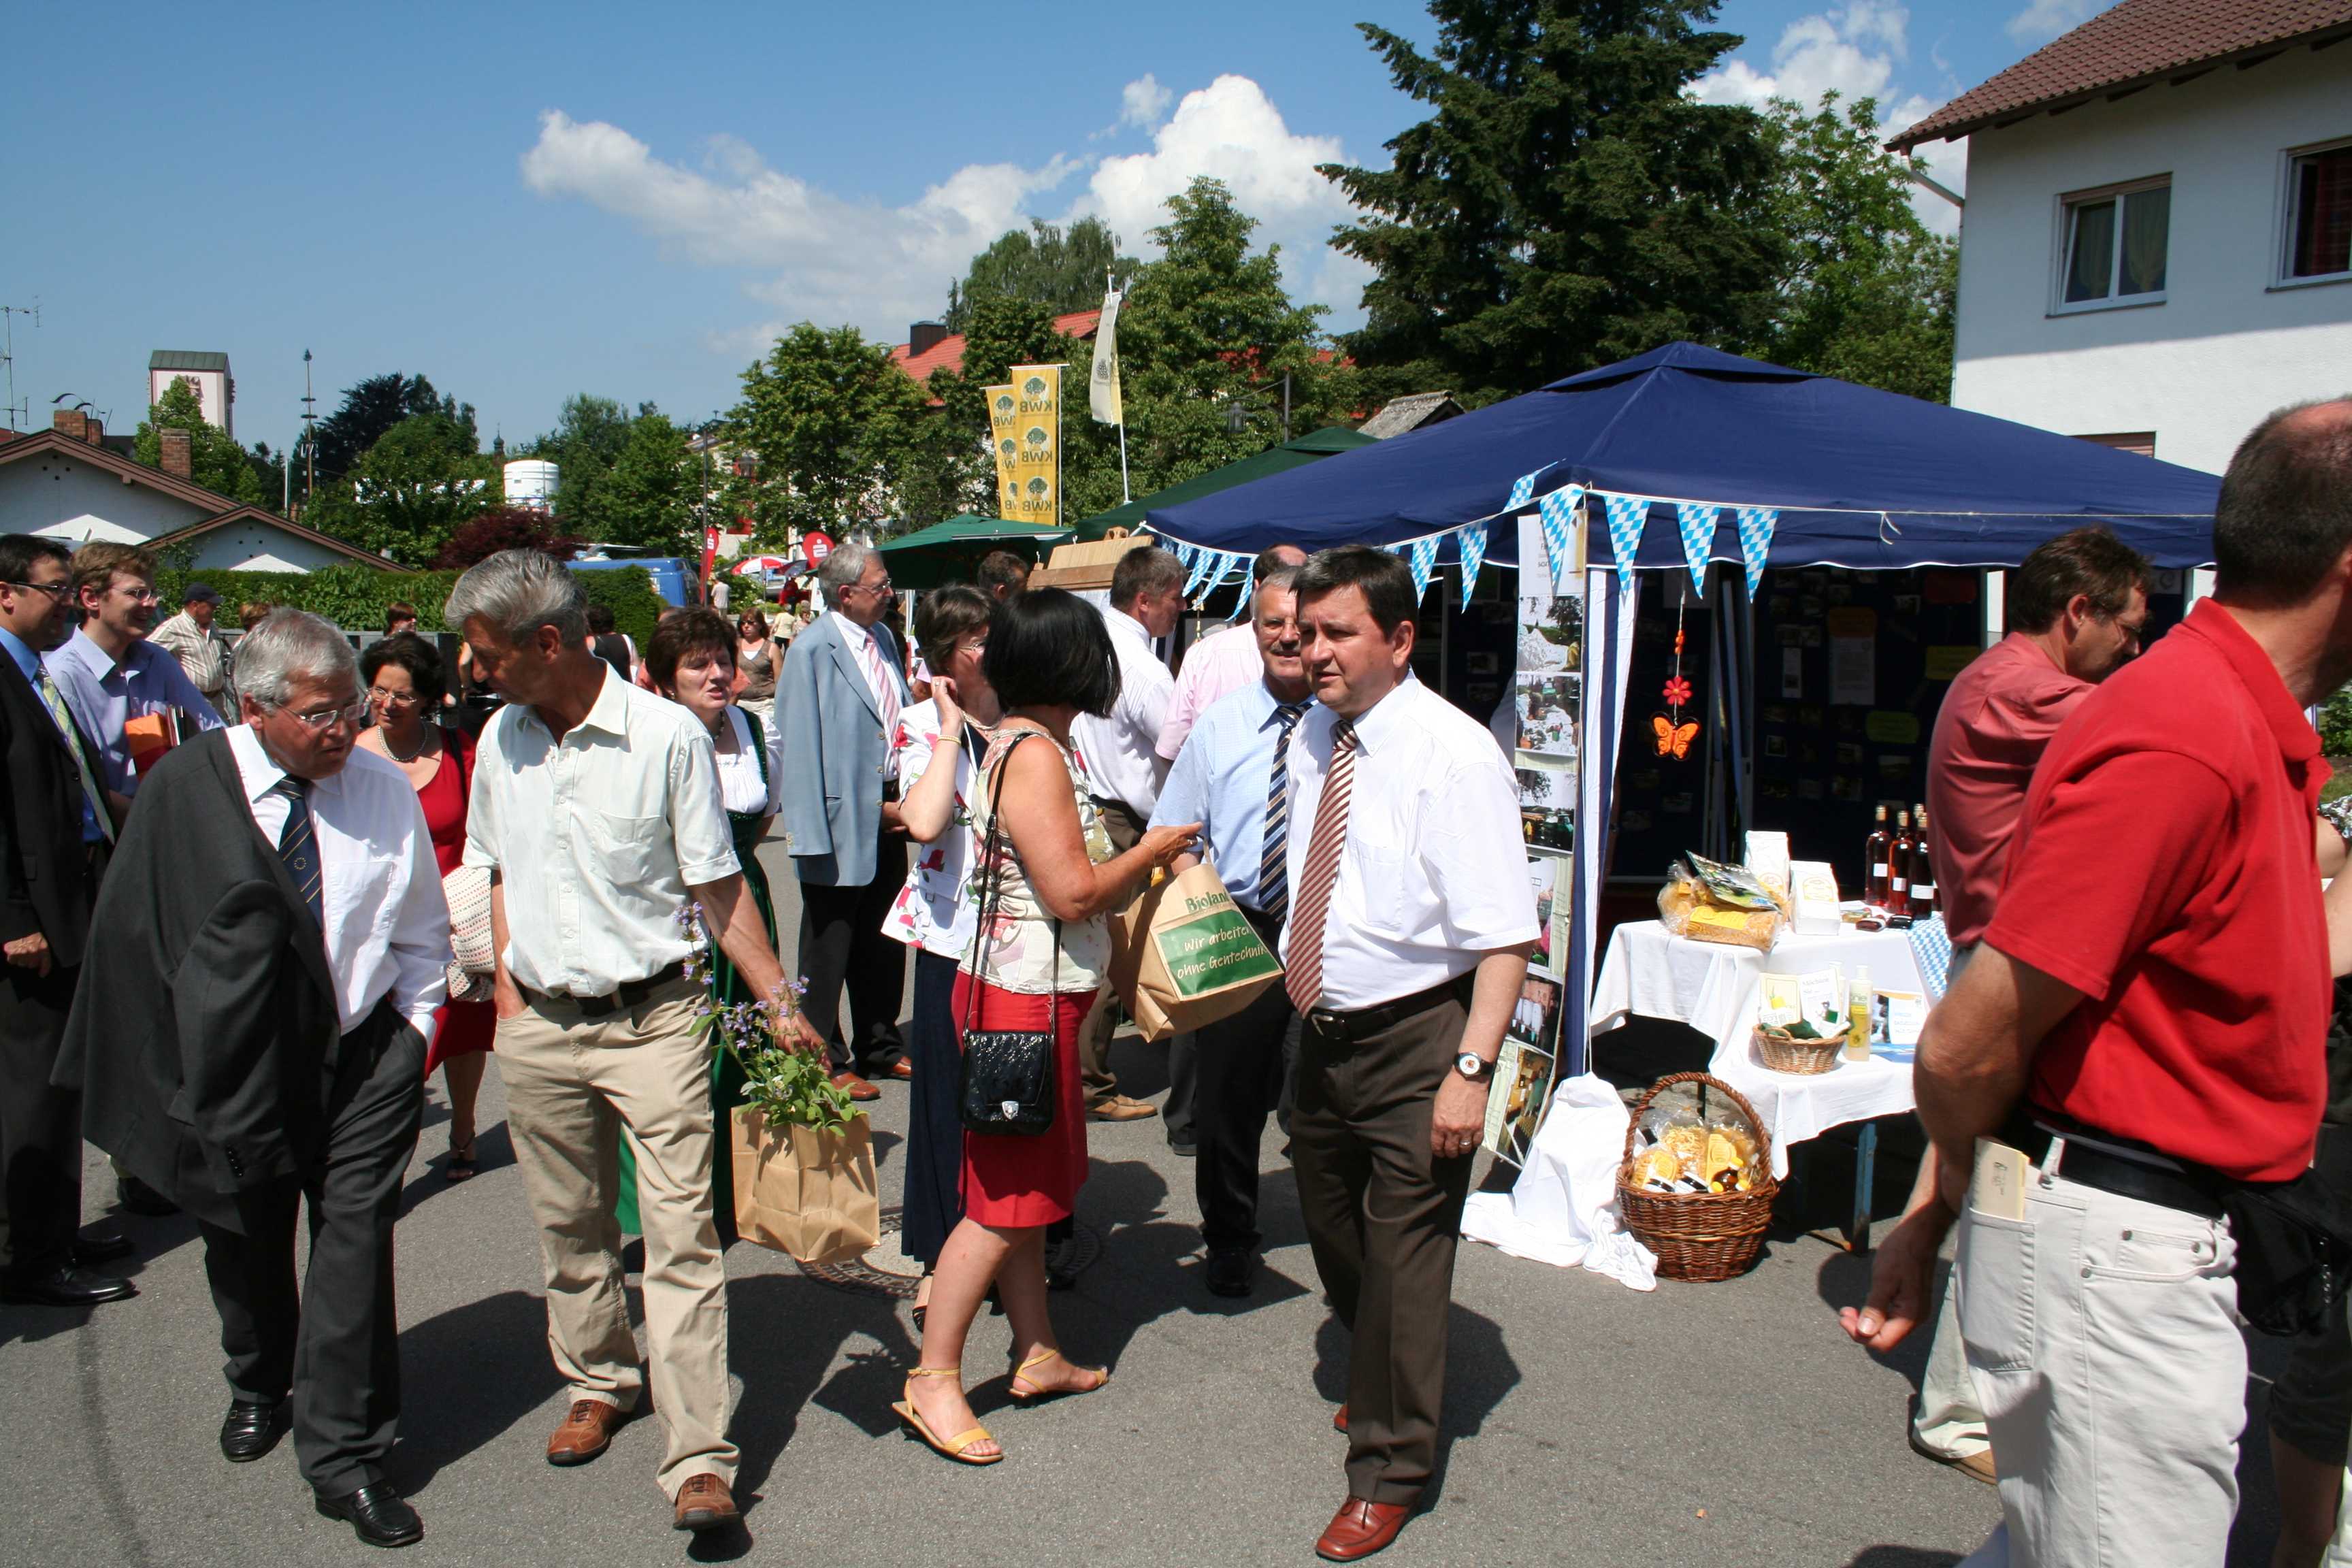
(298, 846)
(1272, 865)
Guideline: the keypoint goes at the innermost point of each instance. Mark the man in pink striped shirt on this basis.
(1221, 663)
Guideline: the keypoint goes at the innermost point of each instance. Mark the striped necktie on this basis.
(55, 701)
(1305, 979)
(886, 692)
(1273, 861)
(298, 845)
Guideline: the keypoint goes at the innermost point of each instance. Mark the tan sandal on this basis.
(1029, 1398)
(957, 1447)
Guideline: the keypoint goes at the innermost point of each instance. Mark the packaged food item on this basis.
(1709, 902)
(1675, 1153)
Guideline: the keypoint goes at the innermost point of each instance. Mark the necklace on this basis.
(393, 752)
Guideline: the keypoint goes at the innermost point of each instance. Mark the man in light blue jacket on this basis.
(837, 701)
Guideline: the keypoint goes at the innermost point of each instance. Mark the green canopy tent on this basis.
(1313, 446)
(951, 552)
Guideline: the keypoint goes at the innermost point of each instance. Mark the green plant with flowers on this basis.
(784, 1085)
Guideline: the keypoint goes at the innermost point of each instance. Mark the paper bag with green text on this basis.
(1183, 954)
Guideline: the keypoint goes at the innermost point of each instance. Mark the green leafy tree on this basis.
(1867, 290)
(371, 408)
(648, 497)
(409, 492)
(832, 419)
(589, 437)
(1062, 268)
(216, 461)
(1565, 204)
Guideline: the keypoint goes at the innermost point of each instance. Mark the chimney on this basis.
(66, 422)
(174, 454)
(923, 337)
(93, 430)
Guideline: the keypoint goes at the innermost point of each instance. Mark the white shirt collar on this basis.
(259, 772)
(851, 632)
(1121, 621)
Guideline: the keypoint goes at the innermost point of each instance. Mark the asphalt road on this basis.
(1719, 1424)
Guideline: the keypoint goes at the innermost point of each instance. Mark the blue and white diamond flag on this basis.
(1627, 517)
(1523, 490)
(1558, 513)
(1756, 524)
(1249, 590)
(1424, 556)
(1697, 524)
(1474, 556)
(1197, 568)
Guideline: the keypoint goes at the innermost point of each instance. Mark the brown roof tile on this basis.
(2135, 42)
(947, 353)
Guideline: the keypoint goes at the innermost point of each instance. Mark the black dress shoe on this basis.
(140, 1198)
(66, 1286)
(1229, 1271)
(101, 1244)
(1184, 1146)
(377, 1515)
(250, 1430)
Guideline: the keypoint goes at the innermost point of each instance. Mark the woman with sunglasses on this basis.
(403, 680)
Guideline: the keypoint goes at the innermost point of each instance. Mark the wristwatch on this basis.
(1473, 1067)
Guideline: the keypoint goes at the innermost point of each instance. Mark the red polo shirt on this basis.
(2164, 868)
(1995, 723)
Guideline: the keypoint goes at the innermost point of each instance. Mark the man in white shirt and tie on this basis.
(837, 702)
(1411, 923)
(255, 1024)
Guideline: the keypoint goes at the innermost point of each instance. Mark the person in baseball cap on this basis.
(201, 647)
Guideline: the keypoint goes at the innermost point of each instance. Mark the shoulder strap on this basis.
(991, 879)
(759, 743)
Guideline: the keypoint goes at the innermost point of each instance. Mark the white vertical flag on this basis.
(1102, 387)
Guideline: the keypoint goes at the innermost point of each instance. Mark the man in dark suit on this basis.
(52, 839)
(837, 699)
(253, 1033)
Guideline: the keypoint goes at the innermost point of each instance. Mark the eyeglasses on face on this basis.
(137, 593)
(59, 590)
(396, 698)
(321, 719)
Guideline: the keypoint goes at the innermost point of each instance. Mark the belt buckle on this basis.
(1323, 1021)
(597, 1007)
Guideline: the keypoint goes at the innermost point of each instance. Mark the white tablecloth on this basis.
(1713, 988)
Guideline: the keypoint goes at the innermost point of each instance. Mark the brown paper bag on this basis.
(801, 1191)
(1183, 954)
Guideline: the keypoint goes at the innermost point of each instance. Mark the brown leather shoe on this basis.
(859, 1089)
(1121, 1108)
(705, 1503)
(1359, 1528)
(1339, 1419)
(587, 1431)
(902, 1070)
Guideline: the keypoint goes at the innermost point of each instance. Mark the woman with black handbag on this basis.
(1046, 878)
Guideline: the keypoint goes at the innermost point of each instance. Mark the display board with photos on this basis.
(1546, 697)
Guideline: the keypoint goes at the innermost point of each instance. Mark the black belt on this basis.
(628, 995)
(2192, 1189)
(1362, 1023)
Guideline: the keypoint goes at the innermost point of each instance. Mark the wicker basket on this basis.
(1699, 1237)
(1782, 1054)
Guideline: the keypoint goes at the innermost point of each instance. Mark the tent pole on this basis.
(1125, 495)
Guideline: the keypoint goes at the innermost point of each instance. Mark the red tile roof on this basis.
(947, 353)
(2128, 46)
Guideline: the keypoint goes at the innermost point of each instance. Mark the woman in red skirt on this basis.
(404, 678)
(1036, 964)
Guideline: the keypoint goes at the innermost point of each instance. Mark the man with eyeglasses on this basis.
(837, 701)
(108, 670)
(258, 1017)
(54, 834)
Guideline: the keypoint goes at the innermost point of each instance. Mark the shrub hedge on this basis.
(354, 597)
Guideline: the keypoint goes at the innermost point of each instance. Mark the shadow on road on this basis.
(467, 1376)
(1902, 1557)
(1480, 1370)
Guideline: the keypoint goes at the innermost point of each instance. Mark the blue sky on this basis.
(523, 202)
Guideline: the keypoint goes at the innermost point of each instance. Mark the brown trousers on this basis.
(1382, 1215)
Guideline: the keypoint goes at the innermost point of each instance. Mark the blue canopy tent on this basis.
(1692, 456)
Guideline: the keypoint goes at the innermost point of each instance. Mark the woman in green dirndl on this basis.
(691, 662)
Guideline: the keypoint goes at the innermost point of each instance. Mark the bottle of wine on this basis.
(1898, 865)
(1923, 872)
(1874, 862)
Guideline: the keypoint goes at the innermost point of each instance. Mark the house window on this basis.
(2318, 214)
(2115, 245)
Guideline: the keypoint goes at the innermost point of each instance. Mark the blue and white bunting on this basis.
(1697, 522)
(1523, 490)
(1627, 517)
(1424, 558)
(1474, 556)
(1558, 513)
(1203, 559)
(1756, 524)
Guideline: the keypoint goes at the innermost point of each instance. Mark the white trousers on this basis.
(2102, 1337)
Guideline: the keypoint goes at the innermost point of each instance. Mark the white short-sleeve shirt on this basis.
(1120, 754)
(743, 785)
(1433, 875)
(597, 837)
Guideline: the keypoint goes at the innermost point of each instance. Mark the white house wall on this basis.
(50, 493)
(255, 546)
(2226, 345)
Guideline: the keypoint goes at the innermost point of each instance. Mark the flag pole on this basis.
(1125, 494)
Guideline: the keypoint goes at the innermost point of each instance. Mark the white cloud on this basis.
(2042, 20)
(1144, 101)
(827, 258)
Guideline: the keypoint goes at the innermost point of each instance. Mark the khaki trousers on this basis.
(574, 1084)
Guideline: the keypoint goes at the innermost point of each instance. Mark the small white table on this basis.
(1713, 989)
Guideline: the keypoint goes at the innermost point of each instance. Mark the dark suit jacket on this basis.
(834, 748)
(204, 1030)
(45, 873)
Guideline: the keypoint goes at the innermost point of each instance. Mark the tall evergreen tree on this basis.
(1565, 204)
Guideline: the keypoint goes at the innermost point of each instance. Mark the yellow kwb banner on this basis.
(1037, 443)
(1004, 441)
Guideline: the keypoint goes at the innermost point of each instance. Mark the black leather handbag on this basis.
(1007, 1084)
